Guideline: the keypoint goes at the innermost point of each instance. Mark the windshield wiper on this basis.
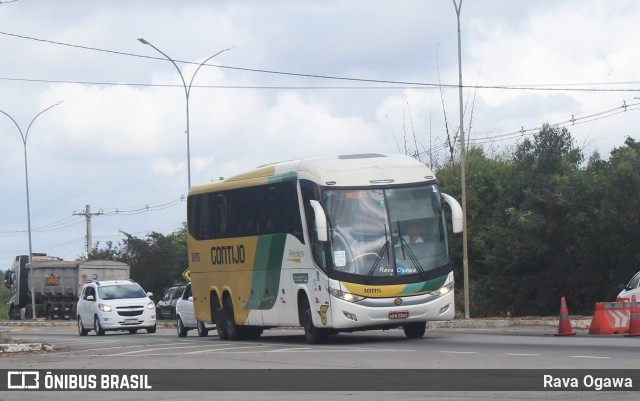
(412, 256)
(375, 264)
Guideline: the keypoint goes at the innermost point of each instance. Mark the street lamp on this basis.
(187, 91)
(25, 136)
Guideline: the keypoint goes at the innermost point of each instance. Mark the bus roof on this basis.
(347, 170)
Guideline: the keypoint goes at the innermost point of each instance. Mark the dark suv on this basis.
(166, 306)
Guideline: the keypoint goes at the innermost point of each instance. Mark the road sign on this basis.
(187, 274)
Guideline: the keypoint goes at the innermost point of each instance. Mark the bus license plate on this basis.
(130, 321)
(399, 315)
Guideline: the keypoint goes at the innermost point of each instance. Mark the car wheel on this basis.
(151, 330)
(312, 334)
(81, 330)
(182, 331)
(415, 330)
(202, 331)
(97, 327)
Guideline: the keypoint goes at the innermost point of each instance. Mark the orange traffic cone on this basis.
(634, 321)
(564, 328)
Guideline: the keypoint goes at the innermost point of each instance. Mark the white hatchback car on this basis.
(115, 305)
(185, 318)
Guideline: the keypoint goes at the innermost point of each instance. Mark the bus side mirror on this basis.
(321, 221)
(456, 212)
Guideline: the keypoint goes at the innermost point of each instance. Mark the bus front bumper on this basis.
(391, 311)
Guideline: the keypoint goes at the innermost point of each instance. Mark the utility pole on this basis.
(463, 172)
(87, 214)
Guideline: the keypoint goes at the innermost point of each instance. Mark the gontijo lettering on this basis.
(227, 255)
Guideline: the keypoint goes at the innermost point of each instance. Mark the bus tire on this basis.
(415, 330)
(253, 333)
(312, 334)
(232, 329)
(219, 318)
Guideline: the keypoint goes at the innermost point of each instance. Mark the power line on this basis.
(143, 209)
(537, 87)
(522, 132)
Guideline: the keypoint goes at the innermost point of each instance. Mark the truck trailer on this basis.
(57, 284)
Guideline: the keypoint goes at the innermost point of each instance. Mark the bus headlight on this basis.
(345, 296)
(445, 289)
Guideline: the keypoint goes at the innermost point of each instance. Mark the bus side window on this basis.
(310, 192)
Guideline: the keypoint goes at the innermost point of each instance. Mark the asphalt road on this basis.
(505, 349)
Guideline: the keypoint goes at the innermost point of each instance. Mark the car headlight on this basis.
(151, 305)
(345, 296)
(104, 308)
(445, 289)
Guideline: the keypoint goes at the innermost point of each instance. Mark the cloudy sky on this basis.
(300, 79)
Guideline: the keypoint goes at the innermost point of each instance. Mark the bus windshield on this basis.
(386, 232)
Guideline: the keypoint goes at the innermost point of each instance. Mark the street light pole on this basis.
(187, 92)
(26, 175)
(463, 172)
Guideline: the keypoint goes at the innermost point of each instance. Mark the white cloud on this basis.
(115, 146)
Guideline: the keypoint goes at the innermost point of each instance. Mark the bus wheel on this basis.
(218, 315)
(231, 328)
(254, 333)
(415, 330)
(312, 334)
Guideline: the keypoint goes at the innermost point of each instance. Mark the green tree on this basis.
(156, 261)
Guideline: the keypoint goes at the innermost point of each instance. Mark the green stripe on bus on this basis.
(267, 265)
(423, 286)
(284, 177)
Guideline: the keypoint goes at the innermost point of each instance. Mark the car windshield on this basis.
(121, 291)
(634, 282)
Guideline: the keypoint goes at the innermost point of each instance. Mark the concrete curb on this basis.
(25, 347)
(580, 323)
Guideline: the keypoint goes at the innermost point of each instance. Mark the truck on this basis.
(57, 284)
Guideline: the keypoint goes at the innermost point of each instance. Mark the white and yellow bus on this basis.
(335, 244)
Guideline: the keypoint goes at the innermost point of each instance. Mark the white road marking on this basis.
(458, 352)
(589, 357)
